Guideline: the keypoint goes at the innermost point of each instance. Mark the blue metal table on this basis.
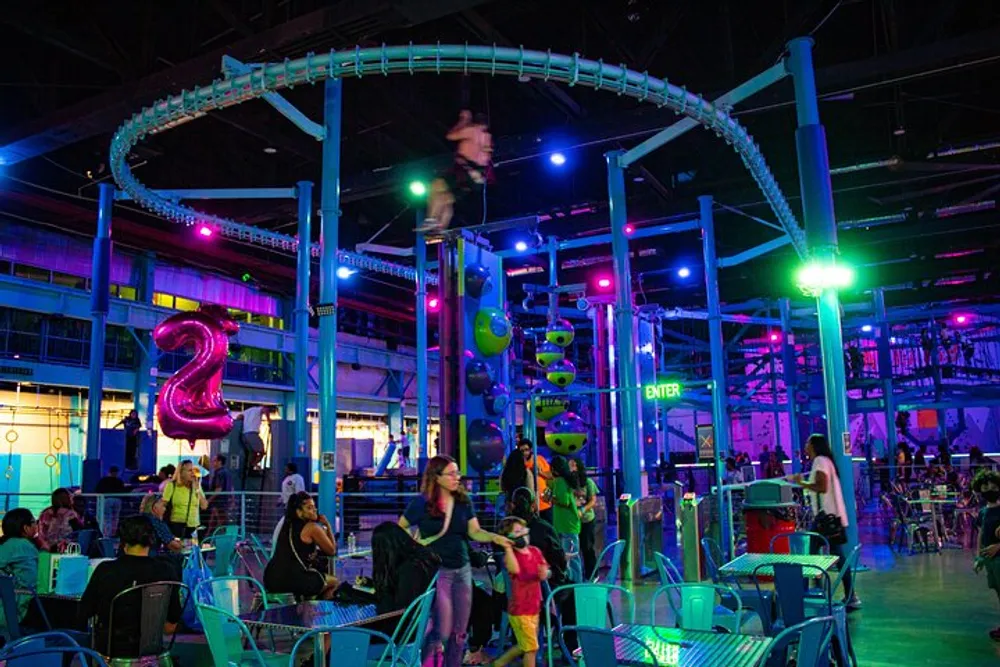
(305, 616)
(744, 566)
(690, 648)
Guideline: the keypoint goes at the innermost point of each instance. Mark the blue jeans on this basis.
(571, 545)
(452, 607)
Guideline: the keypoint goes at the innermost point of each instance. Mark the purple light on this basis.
(205, 231)
(433, 304)
(775, 338)
(604, 283)
(962, 318)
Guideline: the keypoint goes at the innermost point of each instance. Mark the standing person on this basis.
(301, 552)
(446, 521)
(920, 458)
(587, 499)
(186, 501)
(166, 475)
(132, 425)
(292, 483)
(566, 514)
(404, 450)
(59, 521)
(904, 459)
(987, 485)
(515, 476)
(825, 496)
(219, 484)
(111, 484)
(544, 477)
(528, 569)
(252, 442)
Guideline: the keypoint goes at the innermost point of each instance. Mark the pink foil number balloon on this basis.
(190, 404)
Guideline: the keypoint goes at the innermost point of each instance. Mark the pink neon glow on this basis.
(433, 304)
(205, 231)
(629, 229)
(775, 337)
(962, 318)
(604, 283)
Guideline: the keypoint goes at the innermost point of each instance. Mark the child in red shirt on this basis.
(528, 569)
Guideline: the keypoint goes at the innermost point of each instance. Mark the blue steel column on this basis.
(329, 232)
(420, 255)
(717, 351)
(553, 279)
(624, 330)
(885, 374)
(100, 295)
(788, 361)
(304, 191)
(821, 232)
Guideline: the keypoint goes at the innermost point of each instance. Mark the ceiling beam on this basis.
(34, 24)
(103, 113)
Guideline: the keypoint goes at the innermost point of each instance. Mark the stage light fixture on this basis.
(604, 283)
(205, 231)
(521, 246)
(684, 272)
(629, 229)
(345, 272)
(775, 338)
(418, 188)
(433, 304)
(558, 159)
(866, 328)
(814, 277)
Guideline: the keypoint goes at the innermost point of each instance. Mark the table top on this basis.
(357, 553)
(49, 596)
(745, 565)
(314, 614)
(690, 648)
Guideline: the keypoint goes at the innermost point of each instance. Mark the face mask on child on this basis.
(519, 542)
(991, 495)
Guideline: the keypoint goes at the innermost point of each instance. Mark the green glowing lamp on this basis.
(418, 188)
(815, 276)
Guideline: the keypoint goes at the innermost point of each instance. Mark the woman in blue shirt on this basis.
(19, 556)
(446, 520)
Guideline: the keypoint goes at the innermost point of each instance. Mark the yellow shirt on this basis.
(184, 506)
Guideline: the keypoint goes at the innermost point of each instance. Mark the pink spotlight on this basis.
(205, 231)
(604, 283)
(962, 318)
(775, 338)
(433, 304)
(629, 229)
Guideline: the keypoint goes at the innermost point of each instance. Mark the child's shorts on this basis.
(526, 632)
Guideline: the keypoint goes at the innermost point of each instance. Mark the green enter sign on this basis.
(663, 391)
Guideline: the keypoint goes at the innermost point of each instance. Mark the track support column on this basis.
(788, 368)
(821, 233)
(327, 308)
(420, 255)
(302, 281)
(885, 374)
(717, 352)
(100, 296)
(624, 330)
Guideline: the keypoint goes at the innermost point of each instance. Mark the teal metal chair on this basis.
(669, 574)
(598, 646)
(408, 639)
(225, 553)
(231, 642)
(615, 549)
(591, 603)
(800, 542)
(811, 640)
(234, 594)
(758, 601)
(822, 604)
(698, 606)
(37, 642)
(350, 647)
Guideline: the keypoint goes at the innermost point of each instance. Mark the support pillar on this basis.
(100, 295)
(420, 255)
(144, 394)
(553, 247)
(624, 326)
(821, 232)
(788, 367)
(717, 352)
(327, 307)
(302, 282)
(885, 372)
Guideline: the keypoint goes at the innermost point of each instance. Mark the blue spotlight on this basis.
(345, 272)
(520, 246)
(558, 159)
(684, 272)
(866, 328)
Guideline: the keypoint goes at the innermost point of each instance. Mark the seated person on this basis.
(19, 557)
(300, 562)
(133, 568)
(59, 521)
(164, 541)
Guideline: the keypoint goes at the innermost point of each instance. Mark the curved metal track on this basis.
(572, 70)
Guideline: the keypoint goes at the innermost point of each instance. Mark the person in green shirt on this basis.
(566, 513)
(186, 501)
(587, 495)
(19, 557)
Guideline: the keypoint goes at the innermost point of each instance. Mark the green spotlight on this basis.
(816, 276)
(246, 277)
(418, 188)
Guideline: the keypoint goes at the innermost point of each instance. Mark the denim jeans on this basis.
(571, 545)
(452, 606)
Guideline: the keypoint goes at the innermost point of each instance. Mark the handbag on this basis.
(830, 527)
(195, 571)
